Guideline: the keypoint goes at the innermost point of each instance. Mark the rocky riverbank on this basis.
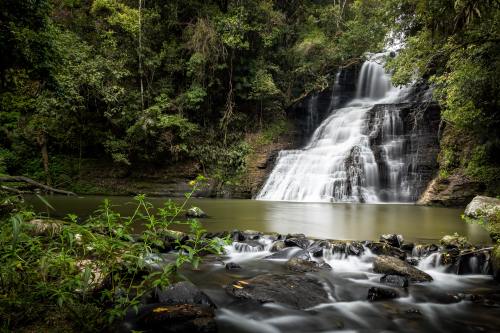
(295, 272)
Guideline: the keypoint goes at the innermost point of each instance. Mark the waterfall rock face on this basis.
(380, 146)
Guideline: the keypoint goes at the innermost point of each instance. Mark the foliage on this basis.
(81, 270)
(71, 74)
(454, 44)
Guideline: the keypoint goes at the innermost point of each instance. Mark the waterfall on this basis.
(342, 162)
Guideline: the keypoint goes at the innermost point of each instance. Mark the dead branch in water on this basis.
(22, 179)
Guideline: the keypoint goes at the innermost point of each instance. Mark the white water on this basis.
(339, 163)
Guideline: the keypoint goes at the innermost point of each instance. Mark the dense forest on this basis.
(208, 91)
(158, 83)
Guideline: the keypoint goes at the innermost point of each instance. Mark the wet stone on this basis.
(302, 254)
(316, 251)
(412, 261)
(407, 247)
(393, 266)
(195, 212)
(381, 248)
(237, 236)
(395, 281)
(176, 318)
(379, 294)
(278, 246)
(283, 254)
(297, 291)
(231, 266)
(248, 246)
(303, 243)
(392, 239)
(183, 293)
(303, 266)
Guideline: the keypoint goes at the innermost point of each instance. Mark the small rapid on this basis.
(444, 304)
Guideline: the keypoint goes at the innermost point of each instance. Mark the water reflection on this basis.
(322, 220)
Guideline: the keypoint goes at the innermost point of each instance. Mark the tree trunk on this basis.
(42, 142)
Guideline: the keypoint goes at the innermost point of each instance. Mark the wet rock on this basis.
(380, 294)
(354, 248)
(183, 293)
(393, 266)
(316, 251)
(395, 281)
(296, 291)
(295, 236)
(303, 266)
(392, 239)
(303, 243)
(237, 236)
(195, 212)
(302, 254)
(283, 254)
(155, 263)
(423, 250)
(176, 319)
(455, 241)
(408, 247)
(252, 234)
(248, 246)
(278, 246)
(413, 312)
(231, 266)
(45, 227)
(412, 261)
(380, 248)
(219, 234)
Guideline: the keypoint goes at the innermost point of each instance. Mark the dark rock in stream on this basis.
(278, 246)
(303, 266)
(423, 250)
(412, 261)
(248, 246)
(347, 248)
(183, 293)
(316, 250)
(382, 248)
(303, 243)
(237, 236)
(395, 280)
(392, 240)
(173, 319)
(394, 266)
(296, 291)
(231, 266)
(408, 247)
(283, 254)
(379, 294)
(252, 234)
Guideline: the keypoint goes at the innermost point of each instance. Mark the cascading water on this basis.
(341, 163)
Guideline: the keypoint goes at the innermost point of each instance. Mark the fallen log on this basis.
(22, 179)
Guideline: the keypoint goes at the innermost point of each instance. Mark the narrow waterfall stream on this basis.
(343, 162)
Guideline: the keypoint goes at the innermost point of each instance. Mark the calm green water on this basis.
(322, 220)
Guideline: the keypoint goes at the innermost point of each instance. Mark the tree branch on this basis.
(22, 179)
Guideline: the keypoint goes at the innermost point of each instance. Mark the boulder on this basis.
(303, 243)
(231, 266)
(382, 248)
(284, 254)
(252, 234)
(354, 248)
(395, 281)
(392, 240)
(483, 207)
(393, 266)
(183, 293)
(296, 291)
(407, 247)
(380, 294)
(423, 250)
(303, 266)
(195, 212)
(248, 246)
(347, 248)
(237, 236)
(455, 241)
(45, 227)
(176, 318)
(278, 246)
(315, 250)
(302, 254)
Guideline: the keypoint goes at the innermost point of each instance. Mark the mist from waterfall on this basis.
(339, 163)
